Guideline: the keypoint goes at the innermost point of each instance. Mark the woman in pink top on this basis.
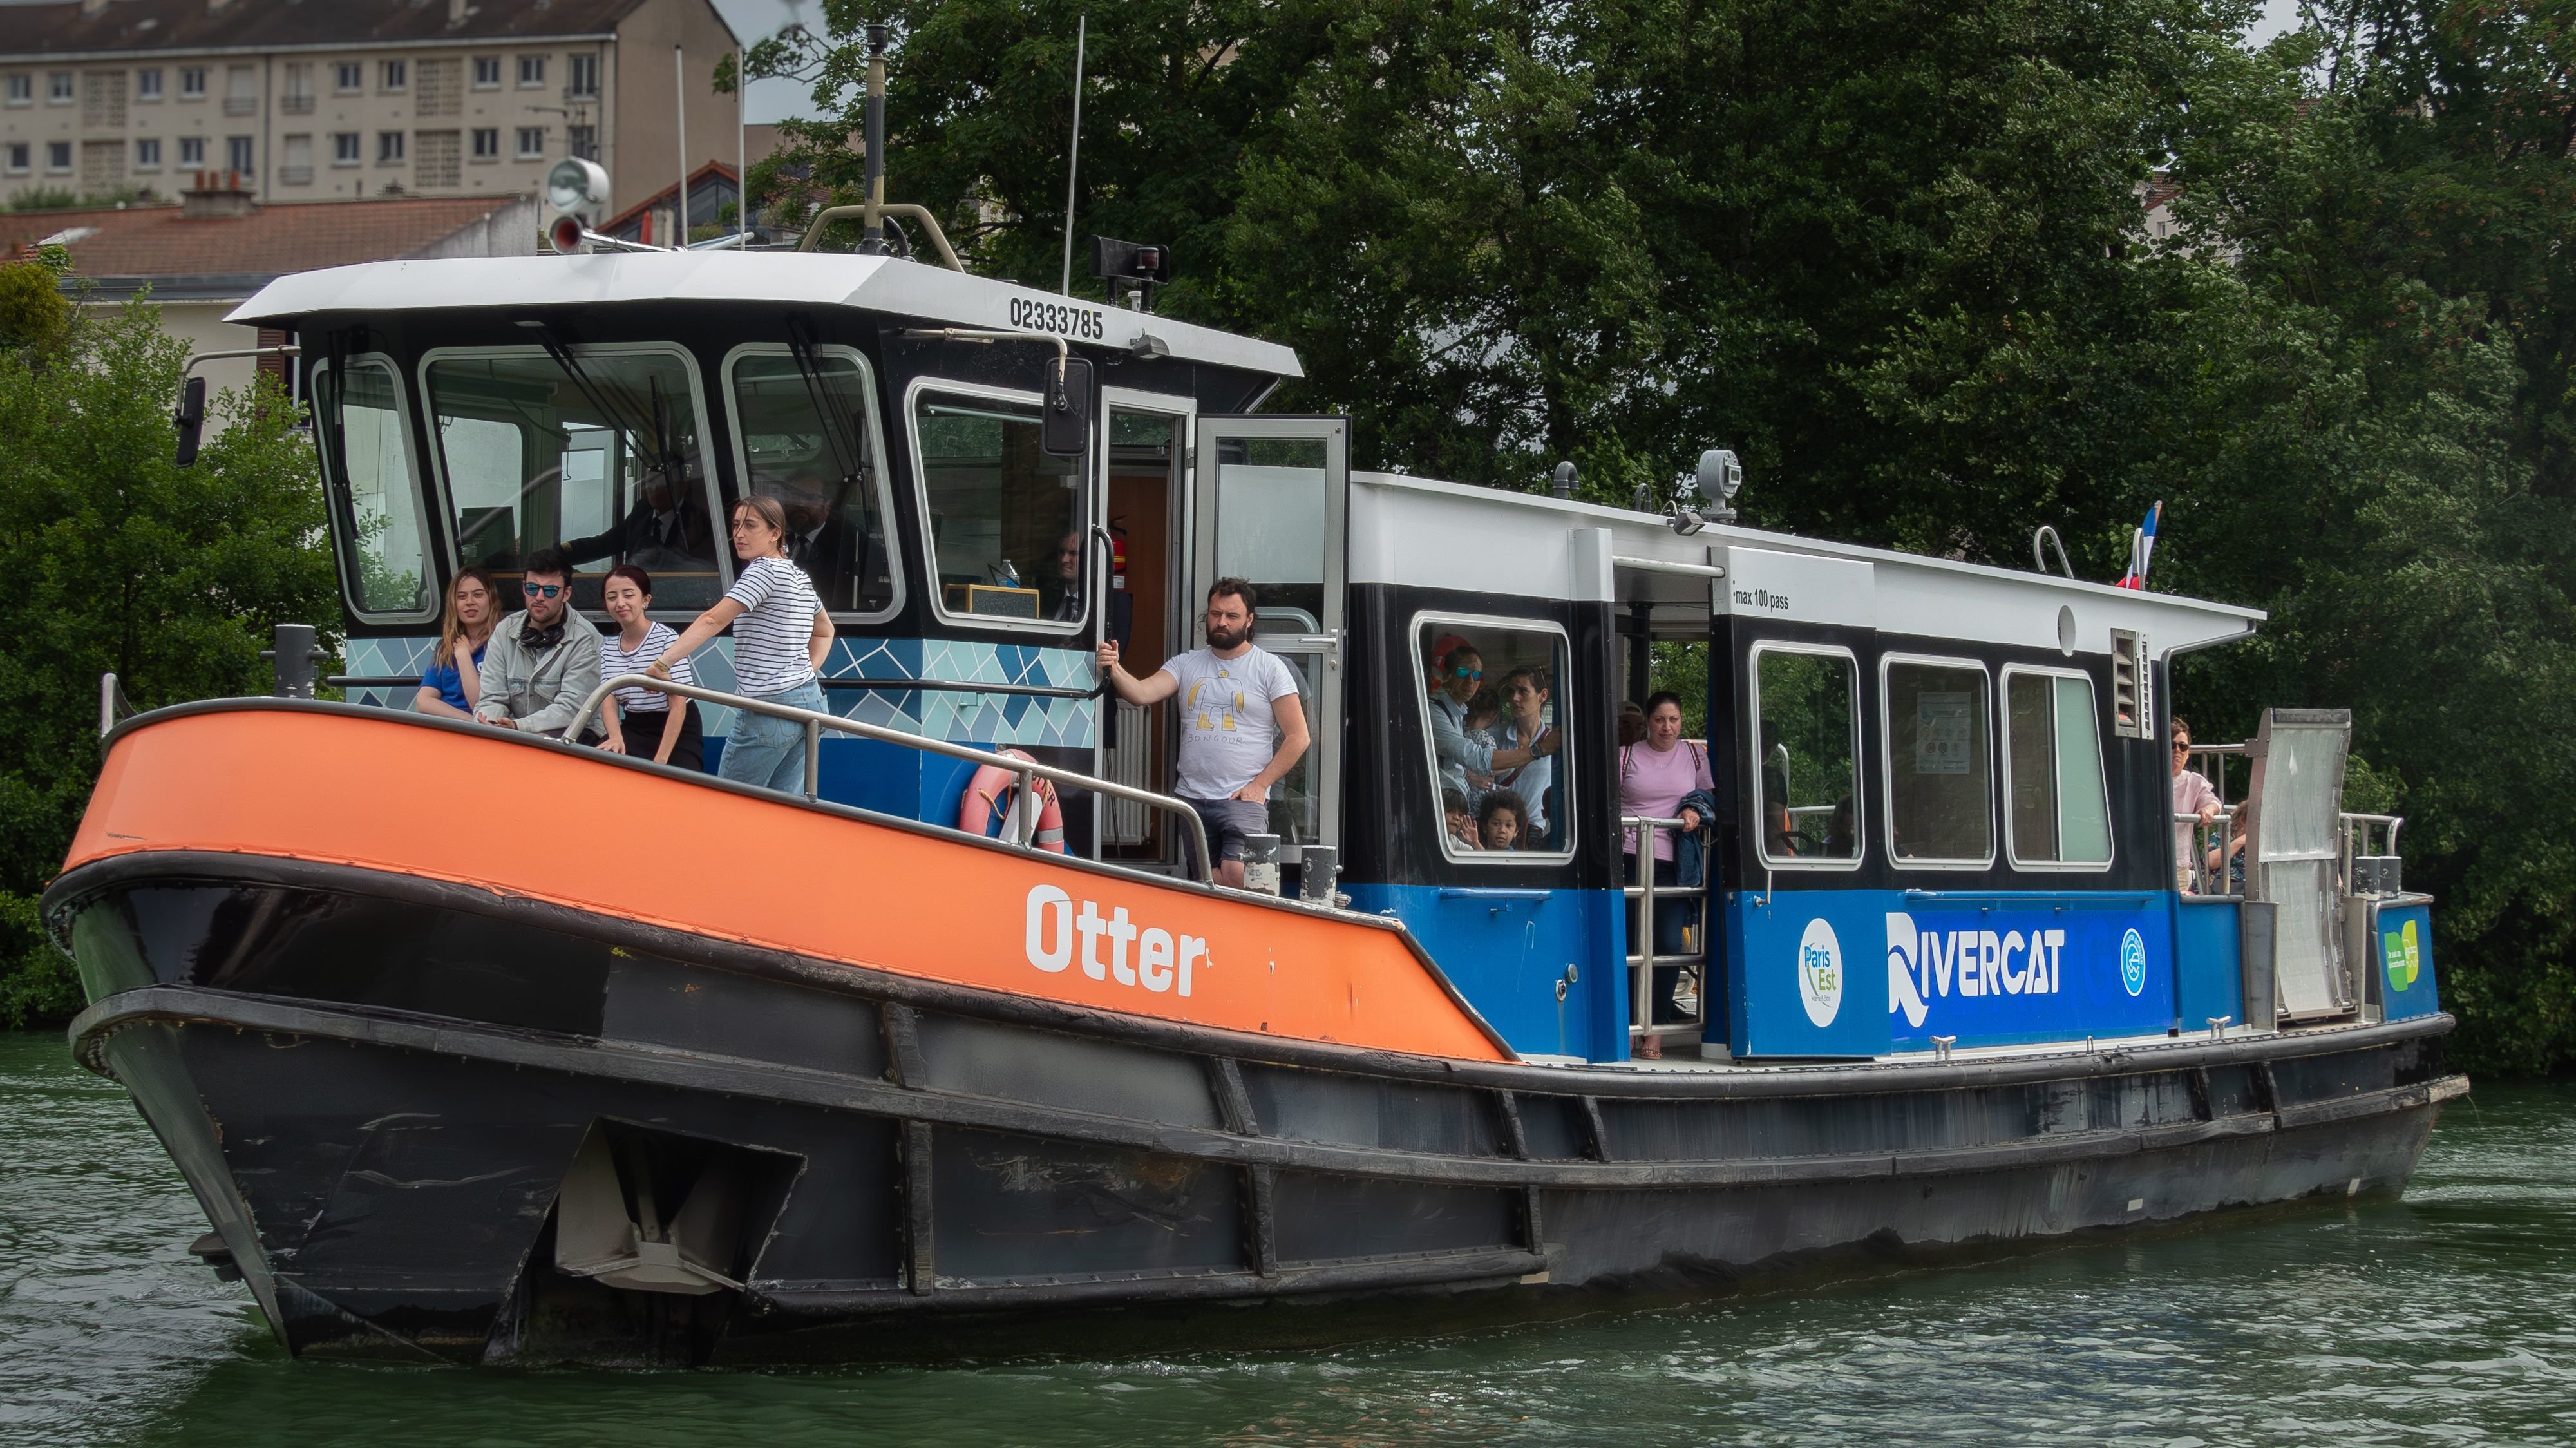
(1654, 775)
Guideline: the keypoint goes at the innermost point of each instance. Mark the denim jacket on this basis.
(1690, 850)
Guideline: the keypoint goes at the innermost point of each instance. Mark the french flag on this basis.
(2142, 544)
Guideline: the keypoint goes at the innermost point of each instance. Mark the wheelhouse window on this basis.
(2060, 804)
(375, 495)
(1491, 694)
(1806, 747)
(601, 458)
(810, 441)
(1001, 511)
(1939, 782)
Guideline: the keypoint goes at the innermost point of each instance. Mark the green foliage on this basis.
(112, 559)
(34, 317)
(1892, 254)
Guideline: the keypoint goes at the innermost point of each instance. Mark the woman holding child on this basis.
(664, 726)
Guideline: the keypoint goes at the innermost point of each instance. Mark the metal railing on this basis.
(112, 704)
(1643, 961)
(2362, 870)
(2200, 877)
(816, 722)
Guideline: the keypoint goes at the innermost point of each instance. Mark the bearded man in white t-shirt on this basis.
(1235, 699)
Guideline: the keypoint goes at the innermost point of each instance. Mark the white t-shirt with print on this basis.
(1229, 729)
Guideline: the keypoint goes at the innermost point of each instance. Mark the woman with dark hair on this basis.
(1501, 822)
(780, 637)
(464, 636)
(1655, 775)
(665, 725)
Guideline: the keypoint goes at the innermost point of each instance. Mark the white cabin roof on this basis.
(1432, 534)
(870, 283)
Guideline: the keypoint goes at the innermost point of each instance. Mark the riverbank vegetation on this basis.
(114, 560)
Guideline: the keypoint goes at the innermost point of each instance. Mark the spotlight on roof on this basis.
(578, 191)
(1719, 478)
(1132, 268)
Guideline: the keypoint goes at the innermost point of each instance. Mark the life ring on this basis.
(990, 795)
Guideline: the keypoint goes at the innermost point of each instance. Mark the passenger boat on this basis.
(481, 1047)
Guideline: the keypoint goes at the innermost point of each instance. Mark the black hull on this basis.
(390, 1172)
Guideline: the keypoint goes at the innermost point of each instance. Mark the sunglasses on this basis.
(541, 590)
(1471, 675)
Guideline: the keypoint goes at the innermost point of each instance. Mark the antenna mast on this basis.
(1073, 156)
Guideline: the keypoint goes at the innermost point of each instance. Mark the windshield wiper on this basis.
(668, 460)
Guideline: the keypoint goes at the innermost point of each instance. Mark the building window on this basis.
(297, 97)
(2060, 810)
(19, 153)
(582, 141)
(147, 84)
(345, 148)
(295, 167)
(349, 77)
(22, 90)
(1940, 782)
(147, 154)
(585, 75)
(532, 142)
(396, 75)
(238, 153)
(192, 82)
(487, 72)
(58, 157)
(192, 150)
(389, 148)
(58, 88)
(487, 143)
(1807, 699)
(241, 90)
(1496, 695)
(532, 70)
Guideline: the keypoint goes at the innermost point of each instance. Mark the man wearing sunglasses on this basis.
(544, 661)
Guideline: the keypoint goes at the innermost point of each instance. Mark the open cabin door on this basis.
(1270, 504)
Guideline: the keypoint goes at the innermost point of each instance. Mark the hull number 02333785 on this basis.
(1083, 324)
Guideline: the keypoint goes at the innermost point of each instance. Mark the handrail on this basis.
(2197, 868)
(1642, 963)
(1662, 565)
(814, 229)
(112, 704)
(815, 722)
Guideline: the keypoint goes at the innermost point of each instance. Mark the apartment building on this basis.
(339, 100)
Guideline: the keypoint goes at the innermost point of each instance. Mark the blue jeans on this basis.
(768, 751)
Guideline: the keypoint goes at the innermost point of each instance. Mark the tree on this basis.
(113, 559)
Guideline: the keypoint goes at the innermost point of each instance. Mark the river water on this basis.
(2442, 1318)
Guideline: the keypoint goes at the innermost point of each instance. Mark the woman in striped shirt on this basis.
(780, 635)
(665, 725)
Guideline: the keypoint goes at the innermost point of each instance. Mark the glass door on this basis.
(1270, 502)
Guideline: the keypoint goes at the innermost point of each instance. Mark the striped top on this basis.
(769, 640)
(614, 659)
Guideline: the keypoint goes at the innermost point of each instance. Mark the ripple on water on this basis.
(2439, 1319)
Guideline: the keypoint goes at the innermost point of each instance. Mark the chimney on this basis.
(216, 195)
(457, 10)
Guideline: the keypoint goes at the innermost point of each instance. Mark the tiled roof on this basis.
(142, 25)
(156, 241)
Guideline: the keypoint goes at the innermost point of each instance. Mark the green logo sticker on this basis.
(2404, 962)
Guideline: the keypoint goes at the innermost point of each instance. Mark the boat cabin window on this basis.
(1271, 501)
(811, 443)
(602, 460)
(2060, 814)
(1807, 704)
(1490, 696)
(1006, 520)
(1939, 783)
(367, 447)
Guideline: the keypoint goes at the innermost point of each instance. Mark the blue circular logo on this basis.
(2133, 963)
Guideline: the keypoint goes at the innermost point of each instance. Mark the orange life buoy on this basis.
(991, 794)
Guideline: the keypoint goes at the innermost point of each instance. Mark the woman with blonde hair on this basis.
(780, 637)
(453, 680)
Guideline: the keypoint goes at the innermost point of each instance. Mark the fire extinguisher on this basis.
(1117, 559)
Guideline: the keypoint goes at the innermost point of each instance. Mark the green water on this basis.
(2439, 1319)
